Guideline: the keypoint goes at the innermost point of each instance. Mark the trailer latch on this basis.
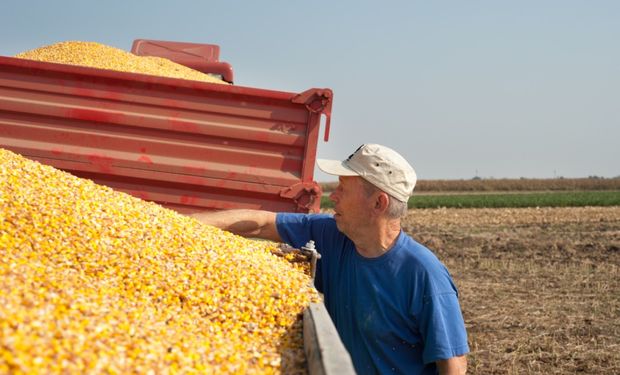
(318, 101)
(307, 196)
(307, 253)
(309, 250)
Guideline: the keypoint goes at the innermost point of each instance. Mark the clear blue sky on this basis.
(498, 89)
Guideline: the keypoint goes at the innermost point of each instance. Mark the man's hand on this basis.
(452, 366)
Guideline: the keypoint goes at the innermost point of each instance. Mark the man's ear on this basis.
(382, 201)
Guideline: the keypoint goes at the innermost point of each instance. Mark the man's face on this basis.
(350, 205)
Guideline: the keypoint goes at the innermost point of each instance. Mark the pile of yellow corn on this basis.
(96, 55)
(96, 281)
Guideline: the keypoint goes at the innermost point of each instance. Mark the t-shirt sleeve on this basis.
(443, 328)
(297, 229)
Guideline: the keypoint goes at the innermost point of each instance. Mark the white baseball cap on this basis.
(379, 165)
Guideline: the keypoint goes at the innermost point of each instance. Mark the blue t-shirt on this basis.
(397, 313)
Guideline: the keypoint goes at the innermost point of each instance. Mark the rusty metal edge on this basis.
(325, 353)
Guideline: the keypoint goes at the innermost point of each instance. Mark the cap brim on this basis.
(335, 167)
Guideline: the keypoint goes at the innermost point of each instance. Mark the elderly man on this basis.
(392, 301)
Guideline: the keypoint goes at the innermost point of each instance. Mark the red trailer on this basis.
(187, 145)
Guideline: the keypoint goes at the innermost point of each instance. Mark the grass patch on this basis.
(541, 199)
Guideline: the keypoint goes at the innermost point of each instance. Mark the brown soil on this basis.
(539, 288)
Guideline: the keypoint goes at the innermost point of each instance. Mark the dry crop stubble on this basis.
(539, 288)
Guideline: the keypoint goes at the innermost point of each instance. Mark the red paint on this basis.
(188, 200)
(217, 146)
(95, 115)
(145, 159)
(198, 171)
(101, 162)
(183, 126)
(140, 194)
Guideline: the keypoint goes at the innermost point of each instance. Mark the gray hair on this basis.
(396, 209)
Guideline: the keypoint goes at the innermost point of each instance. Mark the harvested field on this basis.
(540, 288)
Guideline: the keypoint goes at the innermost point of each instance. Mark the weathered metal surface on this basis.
(187, 145)
(325, 353)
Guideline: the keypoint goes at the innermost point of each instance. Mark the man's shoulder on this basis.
(413, 248)
(418, 254)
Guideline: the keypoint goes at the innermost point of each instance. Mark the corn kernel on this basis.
(96, 55)
(97, 281)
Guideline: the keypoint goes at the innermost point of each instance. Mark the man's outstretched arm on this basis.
(452, 366)
(246, 223)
